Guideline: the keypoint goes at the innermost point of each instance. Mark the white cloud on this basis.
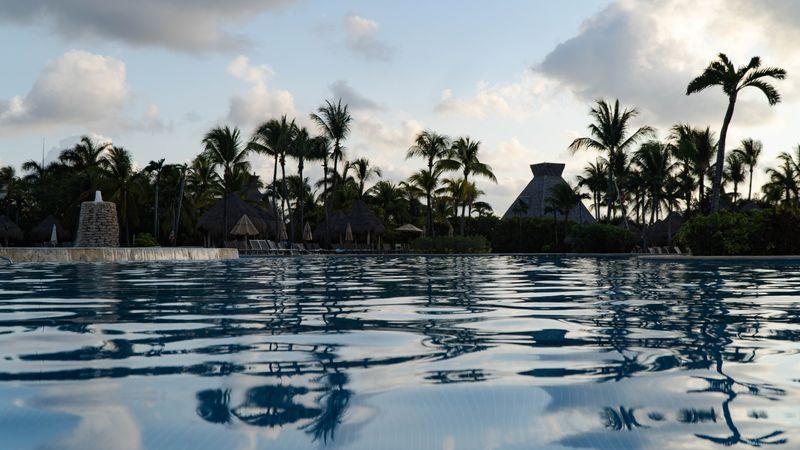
(183, 25)
(646, 52)
(362, 38)
(516, 99)
(259, 103)
(77, 88)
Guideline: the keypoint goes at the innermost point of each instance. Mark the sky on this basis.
(519, 75)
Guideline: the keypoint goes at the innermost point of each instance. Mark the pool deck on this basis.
(110, 254)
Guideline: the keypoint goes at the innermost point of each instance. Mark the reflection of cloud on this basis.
(101, 425)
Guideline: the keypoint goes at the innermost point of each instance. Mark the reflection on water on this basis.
(401, 352)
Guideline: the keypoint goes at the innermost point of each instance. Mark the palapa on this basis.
(9, 231)
(244, 227)
(212, 221)
(44, 230)
(359, 217)
(409, 228)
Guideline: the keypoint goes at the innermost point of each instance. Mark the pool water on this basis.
(483, 352)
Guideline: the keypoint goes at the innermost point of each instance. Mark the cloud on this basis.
(259, 103)
(355, 100)
(516, 99)
(182, 25)
(362, 39)
(77, 88)
(151, 122)
(646, 52)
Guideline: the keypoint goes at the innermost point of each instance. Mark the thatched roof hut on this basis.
(43, 231)
(212, 221)
(9, 231)
(361, 219)
(663, 231)
(531, 202)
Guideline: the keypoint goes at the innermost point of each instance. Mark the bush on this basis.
(761, 232)
(144, 240)
(600, 238)
(451, 244)
(527, 235)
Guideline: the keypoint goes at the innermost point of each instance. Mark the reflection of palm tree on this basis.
(273, 406)
(334, 400)
(214, 405)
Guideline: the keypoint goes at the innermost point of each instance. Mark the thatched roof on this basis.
(42, 231)
(9, 230)
(361, 219)
(244, 227)
(663, 230)
(410, 228)
(212, 220)
(535, 195)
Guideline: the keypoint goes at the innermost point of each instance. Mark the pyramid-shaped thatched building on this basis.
(531, 201)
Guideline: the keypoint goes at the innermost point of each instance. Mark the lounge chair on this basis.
(677, 251)
(299, 248)
(274, 249)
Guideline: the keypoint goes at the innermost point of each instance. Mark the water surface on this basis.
(484, 352)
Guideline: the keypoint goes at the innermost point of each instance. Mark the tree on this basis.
(389, 198)
(654, 160)
(223, 147)
(683, 139)
(734, 171)
(85, 158)
(609, 134)
(427, 181)
(121, 178)
(750, 151)
(463, 156)
(594, 179)
(364, 172)
(563, 198)
(433, 147)
(334, 120)
(783, 180)
(273, 139)
(305, 148)
(721, 72)
(156, 167)
(705, 145)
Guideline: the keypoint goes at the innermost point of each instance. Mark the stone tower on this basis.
(535, 194)
(98, 225)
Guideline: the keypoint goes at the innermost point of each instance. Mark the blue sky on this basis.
(153, 75)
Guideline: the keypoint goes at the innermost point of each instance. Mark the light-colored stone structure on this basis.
(98, 225)
(65, 254)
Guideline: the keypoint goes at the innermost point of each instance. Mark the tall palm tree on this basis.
(334, 120)
(156, 167)
(609, 134)
(204, 182)
(783, 180)
(683, 138)
(562, 199)
(364, 172)
(734, 171)
(433, 147)
(121, 179)
(721, 72)
(594, 179)
(750, 151)
(463, 156)
(85, 158)
(223, 148)
(389, 198)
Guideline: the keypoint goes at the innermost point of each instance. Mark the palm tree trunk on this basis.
(180, 204)
(750, 189)
(609, 190)
(155, 212)
(717, 186)
(302, 200)
(431, 231)
(336, 150)
(326, 200)
(274, 181)
(285, 200)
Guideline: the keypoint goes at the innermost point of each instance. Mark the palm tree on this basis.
(121, 179)
(364, 172)
(223, 147)
(721, 72)
(463, 156)
(305, 148)
(427, 181)
(783, 180)
(683, 138)
(594, 179)
(433, 147)
(156, 167)
(654, 160)
(563, 198)
(735, 171)
(389, 198)
(334, 120)
(750, 150)
(609, 135)
(704, 147)
(204, 182)
(273, 138)
(85, 158)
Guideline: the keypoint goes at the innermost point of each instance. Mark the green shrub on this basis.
(144, 240)
(601, 238)
(527, 235)
(451, 244)
(761, 232)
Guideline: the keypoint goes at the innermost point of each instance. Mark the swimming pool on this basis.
(401, 352)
